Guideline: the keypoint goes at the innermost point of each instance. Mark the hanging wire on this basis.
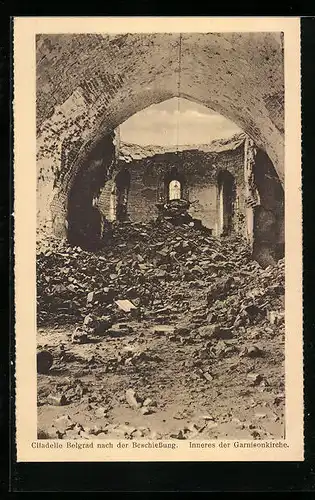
(178, 89)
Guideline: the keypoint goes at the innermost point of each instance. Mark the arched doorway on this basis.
(119, 202)
(174, 190)
(226, 201)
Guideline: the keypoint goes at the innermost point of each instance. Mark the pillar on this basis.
(251, 193)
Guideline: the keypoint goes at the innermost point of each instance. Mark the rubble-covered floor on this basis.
(201, 356)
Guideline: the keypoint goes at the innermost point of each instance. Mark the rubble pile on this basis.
(65, 428)
(162, 270)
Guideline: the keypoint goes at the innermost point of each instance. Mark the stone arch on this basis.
(89, 84)
(84, 221)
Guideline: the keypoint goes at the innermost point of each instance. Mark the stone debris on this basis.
(145, 406)
(145, 410)
(255, 378)
(120, 329)
(189, 431)
(65, 393)
(161, 306)
(65, 428)
(64, 423)
(97, 325)
(163, 329)
(101, 412)
(208, 376)
(276, 317)
(252, 352)
(79, 336)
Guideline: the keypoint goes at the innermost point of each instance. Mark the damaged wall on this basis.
(88, 84)
(72, 211)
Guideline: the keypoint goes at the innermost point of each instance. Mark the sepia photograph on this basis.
(161, 302)
(160, 261)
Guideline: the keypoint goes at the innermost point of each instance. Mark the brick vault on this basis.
(89, 84)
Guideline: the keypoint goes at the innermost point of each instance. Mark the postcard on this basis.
(158, 239)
